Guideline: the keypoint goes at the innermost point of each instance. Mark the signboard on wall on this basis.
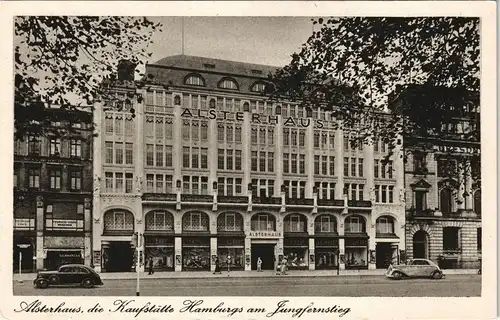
(264, 234)
(60, 224)
(24, 224)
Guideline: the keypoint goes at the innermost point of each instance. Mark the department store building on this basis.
(206, 166)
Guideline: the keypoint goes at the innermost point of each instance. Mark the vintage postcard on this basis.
(249, 160)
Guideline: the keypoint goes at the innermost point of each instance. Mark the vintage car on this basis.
(69, 274)
(415, 268)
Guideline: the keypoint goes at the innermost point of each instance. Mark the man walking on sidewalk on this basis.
(259, 264)
(150, 265)
(228, 261)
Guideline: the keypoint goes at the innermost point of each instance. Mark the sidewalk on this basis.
(242, 274)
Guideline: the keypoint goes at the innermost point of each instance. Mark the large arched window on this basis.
(228, 83)
(477, 201)
(195, 221)
(263, 222)
(355, 224)
(230, 221)
(325, 223)
(119, 220)
(159, 220)
(194, 80)
(295, 223)
(445, 200)
(385, 225)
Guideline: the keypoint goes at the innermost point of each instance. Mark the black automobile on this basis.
(69, 274)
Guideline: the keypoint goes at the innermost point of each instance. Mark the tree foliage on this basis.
(62, 60)
(425, 69)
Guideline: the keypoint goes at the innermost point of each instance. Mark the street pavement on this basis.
(454, 285)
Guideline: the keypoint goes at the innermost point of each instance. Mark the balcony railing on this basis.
(266, 200)
(331, 202)
(196, 198)
(299, 201)
(159, 197)
(232, 199)
(359, 203)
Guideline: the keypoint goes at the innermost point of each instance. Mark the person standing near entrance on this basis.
(259, 264)
(217, 266)
(150, 266)
(228, 261)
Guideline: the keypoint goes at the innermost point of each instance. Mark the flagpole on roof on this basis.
(182, 35)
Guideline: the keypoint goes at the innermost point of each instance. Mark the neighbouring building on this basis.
(198, 161)
(53, 193)
(443, 190)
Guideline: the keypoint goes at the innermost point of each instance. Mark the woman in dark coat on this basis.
(217, 266)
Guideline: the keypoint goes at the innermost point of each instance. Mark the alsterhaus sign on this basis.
(264, 234)
(255, 118)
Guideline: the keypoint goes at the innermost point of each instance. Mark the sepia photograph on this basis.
(283, 157)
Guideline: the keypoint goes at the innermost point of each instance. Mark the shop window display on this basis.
(162, 252)
(326, 258)
(356, 253)
(237, 260)
(196, 254)
(297, 258)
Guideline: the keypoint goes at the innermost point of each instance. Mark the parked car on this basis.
(415, 268)
(68, 274)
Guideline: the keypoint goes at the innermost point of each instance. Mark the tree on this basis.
(62, 60)
(426, 70)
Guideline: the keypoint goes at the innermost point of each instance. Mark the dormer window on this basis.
(194, 80)
(258, 87)
(228, 83)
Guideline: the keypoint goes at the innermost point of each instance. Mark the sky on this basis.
(261, 40)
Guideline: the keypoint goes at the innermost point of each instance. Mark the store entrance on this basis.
(383, 255)
(266, 254)
(120, 257)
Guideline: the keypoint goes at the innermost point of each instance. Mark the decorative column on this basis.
(87, 213)
(368, 156)
(248, 243)
(278, 166)
(213, 239)
(341, 244)
(461, 187)
(97, 147)
(469, 199)
(312, 253)
(177, 137)
(372, 259)
(40, 252)
(212, 152)
(139, 157)
(339, 163)
(246, 144)
(399, 172)
(178, 241)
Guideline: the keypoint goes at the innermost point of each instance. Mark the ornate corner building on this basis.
(200, 163)
(53, 194)
(443, 190)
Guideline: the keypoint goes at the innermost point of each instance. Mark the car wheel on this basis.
(397, 275)
(437, 275)
(42, 283)
(54, 279)
(87, 283)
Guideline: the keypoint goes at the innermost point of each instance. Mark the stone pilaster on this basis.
(212, 153)
(312, 263)
(371, 242)
(339, 163)
(309, 139)
(278, 165)
(177, 136)
(97, 163)
(246, 144)
(40, 222)
(178, 254)
(213, 252)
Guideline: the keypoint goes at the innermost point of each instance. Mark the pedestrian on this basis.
(283, 266)
(217, 266)
(228, 261)
(150, 264)
(259, 264)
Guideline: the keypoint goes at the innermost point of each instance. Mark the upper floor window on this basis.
(194, 80)
(33, 146)
(76, 148)
(55, 147)
(258, 87)
(419, 164)
(385, 225)
(355, 224)
(228, 84)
